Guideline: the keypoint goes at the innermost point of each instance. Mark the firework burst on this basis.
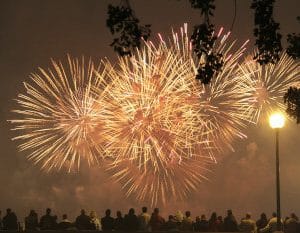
(167, 126)
(151, 118)
(269, 83)
(223, 104)
(59, 117)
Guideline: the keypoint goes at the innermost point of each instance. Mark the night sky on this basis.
(33, 31)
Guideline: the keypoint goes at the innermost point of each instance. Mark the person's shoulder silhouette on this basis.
(10, 220)
(83, 221)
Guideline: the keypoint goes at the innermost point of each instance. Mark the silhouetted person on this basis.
(131, 222)
(47, 221)
(94, 220)
(10, 221)
(171, 224)
(272, 224)
(65, 224)
(262, 222)
(83, 222)
(31, 221)
(144, 219)
(247, 224)
(119, 222)
(292, 224)
(156, 221)
(107, 222)
(201, 224)
(213, 223)
(220, 223)
(230, 223)
(187, 222)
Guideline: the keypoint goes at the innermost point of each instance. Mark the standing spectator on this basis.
(119, 222)
(131, 222)
(144, 220)
(272, 224)
(107, 222)
(187, 222)
(156, 221)
(247, 224)
(230, 223)
(291, 224)
(201, 224)
(65, 224)
(10, 221)
(213, 223)
(83, 222)
(95, 222)
(178, 218)
(171, 224)
(31, 221)
(47, 221)
(262, 222)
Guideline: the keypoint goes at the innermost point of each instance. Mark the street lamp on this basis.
(277, 122)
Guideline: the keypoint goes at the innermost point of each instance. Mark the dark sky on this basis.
(33, 31)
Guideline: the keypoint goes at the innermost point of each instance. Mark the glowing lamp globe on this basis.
(277, 120)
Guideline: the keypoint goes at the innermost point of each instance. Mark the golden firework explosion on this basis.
(268, 84)
(59, 118)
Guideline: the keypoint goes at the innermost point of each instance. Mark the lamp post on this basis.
(277, 122)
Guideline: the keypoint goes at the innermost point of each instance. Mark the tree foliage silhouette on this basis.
(294, 44)
(122, 21)
(268, 40)
(203, 39)
(292, 96)
(292, 100)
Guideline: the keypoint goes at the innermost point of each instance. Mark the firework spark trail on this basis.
(178, 179)
(224, 103)
(59, 119)
(162, 110)
(157, 139)
(269, 83)
(151, 117)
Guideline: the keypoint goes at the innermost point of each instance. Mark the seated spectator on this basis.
(131, 222)
(262, 222)
(171, 224)
(272, 224)
(31, 221)
(47, 221)
(119, 222)
(178, 217)
(213, 223)
(187, 222)
(230, 223)
(201, 224)
(95, 222)
(83, 222)
(247, 224)
(65, 224)
(10, 221)
(144, 220)
(107, 222)
(156, 221)
(291, 224)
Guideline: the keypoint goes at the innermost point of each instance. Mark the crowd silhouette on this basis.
(144, 222)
